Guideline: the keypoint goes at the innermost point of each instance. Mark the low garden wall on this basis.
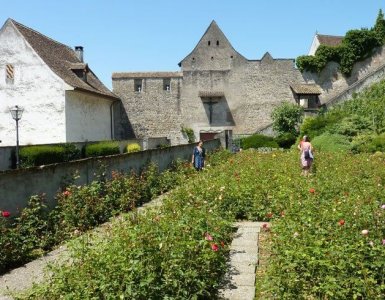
(16, 186)
(7, 154)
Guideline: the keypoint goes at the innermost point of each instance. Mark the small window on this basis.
(217, 43)
(208, 43)
(9, 74)
(166, 84)
(138, 85)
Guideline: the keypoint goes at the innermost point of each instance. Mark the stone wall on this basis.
(334, 84)
(16, 186)
(217, 89)
(251, 90)
(152, 112)
(7, 154)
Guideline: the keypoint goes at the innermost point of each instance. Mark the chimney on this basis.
(79, 52)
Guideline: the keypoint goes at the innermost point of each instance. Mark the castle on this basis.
(216, 90)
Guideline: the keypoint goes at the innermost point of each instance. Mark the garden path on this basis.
(239, 282)
(240, 278)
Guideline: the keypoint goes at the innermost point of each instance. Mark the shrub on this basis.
(41, 155)
(352, 126)
(71, 152)
(258, 141)
(102, 149)
(286, 140)
(286, 118)
(369, 143)
(133, 148)
(331, 142)
(314, 126)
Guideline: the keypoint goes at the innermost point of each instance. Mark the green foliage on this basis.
(25, 237)
(379, 26)
(102, 149)
(80, 208)
(310, 63)
(258, 141)
(362, 117)
(331, 142)
(189, 133)
(47, 154)
(286, 140)
(370, 143)
(133, 148)
(319, 248)
(286, 118)
(356, 46)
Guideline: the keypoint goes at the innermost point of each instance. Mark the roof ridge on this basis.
(37, 32)
(339, 36)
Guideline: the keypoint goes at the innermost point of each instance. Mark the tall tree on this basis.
(379, 26)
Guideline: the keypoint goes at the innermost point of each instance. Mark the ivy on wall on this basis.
(189, 133)
(357, 45)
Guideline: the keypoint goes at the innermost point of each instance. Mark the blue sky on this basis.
(151, 35)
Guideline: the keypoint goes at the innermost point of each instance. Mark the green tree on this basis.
(286, 118)
(379, 26)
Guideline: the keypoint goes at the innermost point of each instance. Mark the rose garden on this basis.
(325, 233)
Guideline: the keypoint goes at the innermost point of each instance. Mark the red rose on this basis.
(214, 247)
(341, 222)
(311, 190)
(264, 225)
(269, 215)
(5, 214)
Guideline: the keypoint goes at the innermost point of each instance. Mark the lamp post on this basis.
(16, 113)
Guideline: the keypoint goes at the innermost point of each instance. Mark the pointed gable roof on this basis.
(62, 60)
(213, 33)
(329, 40)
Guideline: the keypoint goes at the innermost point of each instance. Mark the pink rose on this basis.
(214, 247)
(208, 237)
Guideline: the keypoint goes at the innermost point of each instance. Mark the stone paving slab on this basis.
(237, 268)
(240, 278)
(243, 280)
(253, 230)
(246, 257)
(244, 243)
(249, 236)
(239, 293)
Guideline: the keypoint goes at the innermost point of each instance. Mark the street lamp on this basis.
(16, 113)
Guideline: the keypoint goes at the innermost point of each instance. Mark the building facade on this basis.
(63, 100)
(217, 89)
